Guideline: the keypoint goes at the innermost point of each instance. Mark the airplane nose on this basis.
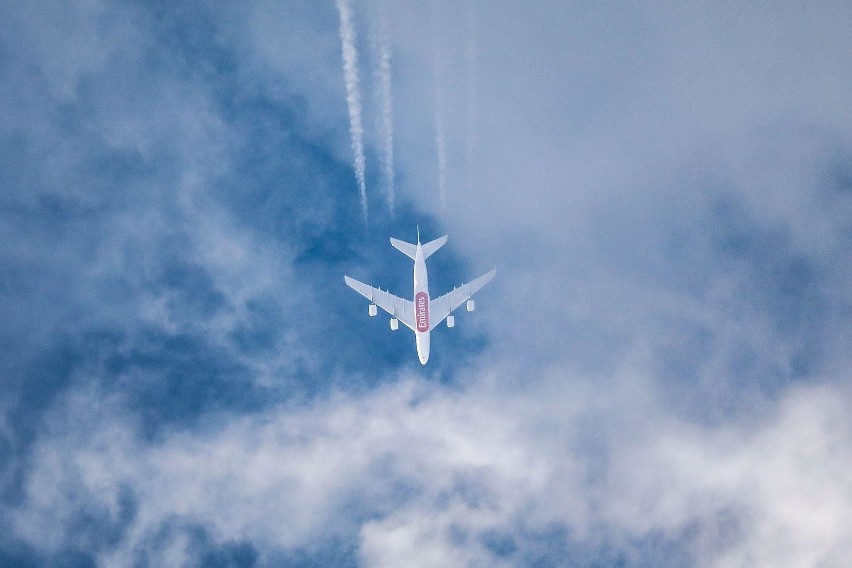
(423, 360)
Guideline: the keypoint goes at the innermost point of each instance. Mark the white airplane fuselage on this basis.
(421, 305)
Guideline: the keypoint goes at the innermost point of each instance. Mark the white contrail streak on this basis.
(471, 60)
(440, 144)
(353, 96)
(383, 83)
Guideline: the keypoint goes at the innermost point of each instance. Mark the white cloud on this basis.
(607, 141)
(780, 487)
(417, 471)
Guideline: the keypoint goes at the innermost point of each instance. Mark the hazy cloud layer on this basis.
(658, 376)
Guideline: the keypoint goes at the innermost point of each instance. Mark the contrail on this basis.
(440, 144)
(471, 60)
(442, 153)
(385, 119)
(353, 96)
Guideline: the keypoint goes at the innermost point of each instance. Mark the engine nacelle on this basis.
(394, 323)
(470, 305)
(451, 320)
(373, 310)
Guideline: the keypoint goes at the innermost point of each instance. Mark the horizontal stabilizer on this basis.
(431, 247)
(410, 250)
(407, 249)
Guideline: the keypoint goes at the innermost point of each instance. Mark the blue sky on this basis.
(659, 375)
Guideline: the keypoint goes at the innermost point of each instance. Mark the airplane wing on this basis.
(440, 308)
(398, 307)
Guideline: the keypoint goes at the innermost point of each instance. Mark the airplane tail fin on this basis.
(410, 250)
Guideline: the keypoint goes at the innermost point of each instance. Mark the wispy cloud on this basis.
(658, 375)
(466, 476)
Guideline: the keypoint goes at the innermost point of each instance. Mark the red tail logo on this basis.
(421, 309)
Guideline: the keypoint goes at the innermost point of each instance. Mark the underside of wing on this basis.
(397, 307)
(443, 306)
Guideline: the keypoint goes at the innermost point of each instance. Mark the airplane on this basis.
(421, 315)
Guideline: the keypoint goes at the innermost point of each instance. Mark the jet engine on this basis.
(470, 305)
(373, 310)
(451, 320)
(394, 323)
